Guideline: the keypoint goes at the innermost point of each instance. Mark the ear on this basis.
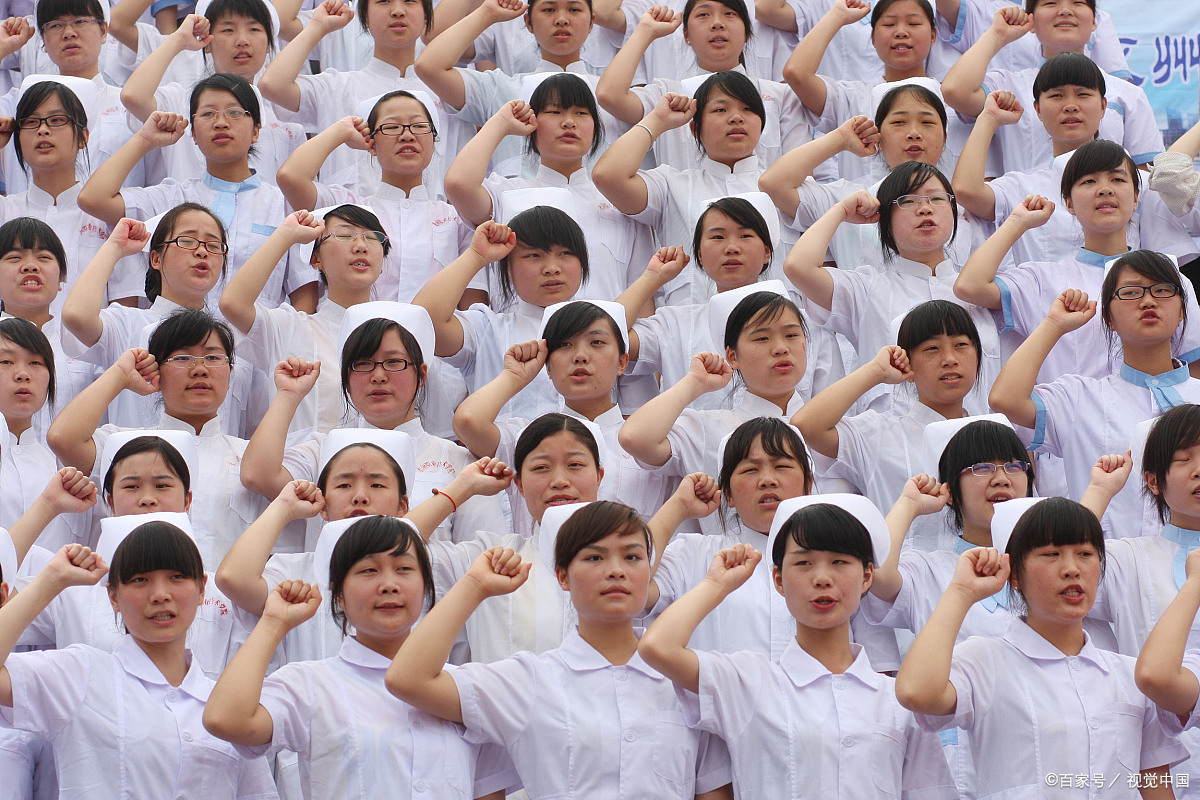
(424, 376)
(3, 593)
(86, 135)
(1152, 483)
(563, 583)
(187, 502)
(203, 586)
(402, 510)
(1069, 205)
(731, 358)
(1037, 107)
(517, 482)
(600, 472)
(868, 577)
(777, 580)
(1103, 104)
(156, 259)
(622, 363)
(254, 138)
(112, 596)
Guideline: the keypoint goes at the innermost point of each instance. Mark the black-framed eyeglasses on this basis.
(372, 237)
(399, 129)
(388, 364)
(987, 469)
(59, 26)
(209, 360)
(1159, 291)
(191, 243)
(52, 121)
(913, 201)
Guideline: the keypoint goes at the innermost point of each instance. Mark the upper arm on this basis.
(6, 689)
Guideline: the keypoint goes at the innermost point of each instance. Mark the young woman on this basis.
(1075, 417)
(1062, 29)
(727, 117)
(717, 34)
(188, 362)
(319, 101)
(51, 133)
(593, 687)
(765, 340)
(379, 582)
(348, 251)
(226, 119)
(917, 217)
(909, 125)
(1100, 189)
(400, 133)
(79, 697)
(562, 128)
(937, 350)
(823, 558)
(583, 349)
(239, 35)
(1070, 105)
(377, 339)
(1044, 693)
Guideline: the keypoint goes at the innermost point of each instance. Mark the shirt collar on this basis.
(331, 311)
(1086, 256)
(378, 66)
(218, 185)
(579, 67)
(211, 428)
(802, 669)
(1059, 163)
(747, 164)
(135, 662)
(42, 199)
(528, 310)
(552, 177)
(760, 407)
(946, 269)
(580, 656)
(413, 427)
(356, 653)
(386, 191)
(1033, 645)
(1172, 377)
(163, 306)
(606, 420)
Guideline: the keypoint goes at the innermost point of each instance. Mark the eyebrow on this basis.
(344, 475)
(164, 476)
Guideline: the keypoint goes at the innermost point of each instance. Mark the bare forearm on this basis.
(240, 574)
(475, 417)
(613, 89)
(780, 180)
(298, 174)
(974, 283)
(234, 711)
(818, 418)
(923, 683)
(138, 92)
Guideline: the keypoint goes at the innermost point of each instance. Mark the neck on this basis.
(88, 72)
(56, 181)
(1113, 243)
(1068, 637)
(563, 61)
(1051, 50)
(403, 181)
(1187, 522)
(566, 168)
(780, 400)
(930, 258)
(951, 409)
(830, 646)
(732, 160)
(616, 641)
(38, 315)
(347, 297)
(386, 646)
(1152, 359)
(978, 535)
(193, 303)
(891, 74)
(1062, 146)
(390, 423)
(197, 421)
(401, 56)
(592, 407)
(18, 425)
(169, 657)
(729, 63)
(233, 172)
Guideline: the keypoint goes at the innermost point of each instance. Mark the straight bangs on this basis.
(366, 538)
(1068, 69)
(827, 528)
(574, 319)
(1098, 155)
(1177, 429)
(154, 546)
(938, 318)
(28, 233)
(566, 91)
(594, 522)
(759, 308)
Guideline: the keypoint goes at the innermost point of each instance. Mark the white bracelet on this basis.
(646, 129)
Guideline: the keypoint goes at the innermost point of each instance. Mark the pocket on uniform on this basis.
(1119, 728)
(218, 765)
(674, 748)
(887, 769)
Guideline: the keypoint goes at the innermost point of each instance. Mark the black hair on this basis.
(28, 233)
(882, 6)
(236, 85)
(1030, 5)
(153, 546)
(778, 440)
(745, 215)
(573, 319)
(354, 215)
(373, 117)
(566, 91)
(365, 538)
(26, 335)
(188, 327)
(978, 442)
(548, 425)
(907, 178)
(825, 527)
(1098, 155)
(737, 6)
(936, 318)
(529, 10)
(734, 84)
(364, 7)
(251, 9)
(1068, 69)
(323, 478)
(763, 308)
(367, 338)
(920, 93)
(1177, 429)
(50, 10)
(541, 228)
(146, 444)
(1154, 267)
(39, 93)
(594, 522)
(165, 231)
(1057, 522)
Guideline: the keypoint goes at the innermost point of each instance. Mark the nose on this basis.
(1000, 478)
(560, 479)
(949, 357)
(1070, 564)
(767, 479)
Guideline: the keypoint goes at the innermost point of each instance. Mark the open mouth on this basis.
(927, 224)
(1073, 594)
(162, 618)
(999, 497)
(951, 379)
(32, 283)
(560, 500)
(768, 501)
(824, 603)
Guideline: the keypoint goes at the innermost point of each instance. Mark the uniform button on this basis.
(839, 682)
(417, 724)
(1154, 381)
(848, 741)
(419, 786)
(630, 736)
(621, 674)
(187, 737)
(1074, 663)
(1093, 724)
(172, 696)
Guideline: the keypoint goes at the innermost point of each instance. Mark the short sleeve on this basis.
(484, 93)
(495, 698)
(287, 695)
(731, 691)
(1141, 137)
(49, 687)
(475, 323)
(1057, 405)
(1023, 298)
(852, 293)
(144, 202)
(657, 193)
(973, 675)
(650, 331)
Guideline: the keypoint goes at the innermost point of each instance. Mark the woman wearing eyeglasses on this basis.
(187, 362)
(225, 123)
(400, 133)
(917, 219)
